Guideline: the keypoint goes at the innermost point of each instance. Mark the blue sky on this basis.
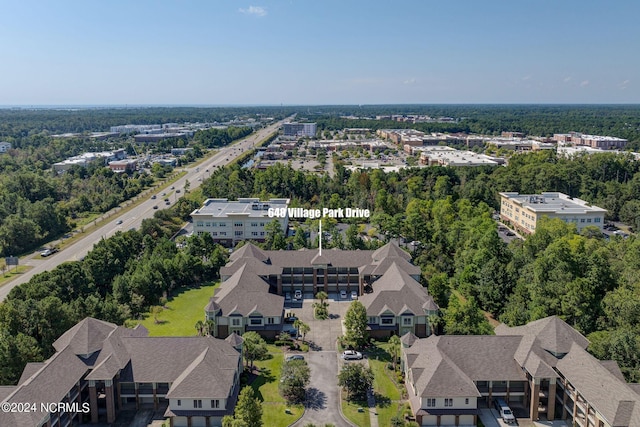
(318, 52)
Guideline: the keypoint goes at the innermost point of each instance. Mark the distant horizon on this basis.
(125, 106)
(284, 52)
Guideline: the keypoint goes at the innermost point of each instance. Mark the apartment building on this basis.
(4, 146)
(102, 368)
(256, 284)
(229, 222)
(524, 211)
(299, 129)
(542, 369)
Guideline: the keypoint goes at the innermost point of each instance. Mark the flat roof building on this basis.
(525, 210)
(4, 146)
(229, 222)
(299, 129)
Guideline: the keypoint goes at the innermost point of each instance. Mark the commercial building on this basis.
(257, 283)
(229, 222)
(524, 211)
(103, 368)
(436, 156)
(123, 165)
(542, 370)
(593, 141)
(85, 159)
(299, 129)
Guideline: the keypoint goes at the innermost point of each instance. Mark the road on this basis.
(133, 218)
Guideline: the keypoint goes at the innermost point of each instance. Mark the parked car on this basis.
(297, 294)
(155, 207)
(505, 412)
(178, 190)
(354, 295)
(510, 233)
(343, 294)
(287, 296)
(351, 355)
(294, 357)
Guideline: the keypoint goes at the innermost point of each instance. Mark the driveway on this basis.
(323, 395)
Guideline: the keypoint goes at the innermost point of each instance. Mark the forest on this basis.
(591, 282)
(38, 205)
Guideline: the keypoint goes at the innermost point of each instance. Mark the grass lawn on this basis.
(388, 395)
(13, 272)
(266, 389)
(181, 314)
(361, 419)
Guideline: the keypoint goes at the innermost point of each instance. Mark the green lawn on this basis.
(361, 419)
(181, 314)
(388, 395)
(266, 389)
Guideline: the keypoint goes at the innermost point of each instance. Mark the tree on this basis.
(248, 408)
(394, 347)
(356, 379)
(355, 322)
(294, 379)
(254, 347)
(275, 238)
(465, 318)
(209, 327)
(303, 329)
(199, 327)
(322, 295)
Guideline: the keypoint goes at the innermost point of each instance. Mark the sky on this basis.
(313, 52)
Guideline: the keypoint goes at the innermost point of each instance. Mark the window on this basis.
(215, 404)
(213, 224)
(207, 224)
(407, 321)
(262, 233)
(373, 319)
(179, 402)
(448, 402)
(271, 320)
(387, 321)
(254, 233)
(238, 233)
(237, 224)
(262, 224)
(466, 401)
(199, 223)
(254, 224)
(197, 403)
(596, 220)
(588, 219)
(431, 403)
(581, 219)
(223, 224)
(214, 233)
(235, 322)
(256, 320)
(223, 233)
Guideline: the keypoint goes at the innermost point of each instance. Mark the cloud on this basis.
(410, 81)
(624, 84)
(584, 83)
(525, 78)
(254, 10)
(567, 79)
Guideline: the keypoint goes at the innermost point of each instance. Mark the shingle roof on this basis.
(390, 250)
(335, 257)
(244, 292)
(209, 375)
(86, 336)
(29, 370)
(249, 250)
(49, 384)
(6, 390)
(618, 403)
(398, 292)
(553, 333)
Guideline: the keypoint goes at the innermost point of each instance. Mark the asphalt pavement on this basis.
(133, 218)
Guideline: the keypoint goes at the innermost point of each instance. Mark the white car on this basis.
(351, 355)
(297, 294)
(354, 295)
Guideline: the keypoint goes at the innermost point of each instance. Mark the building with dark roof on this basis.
(102, 368)
(542, 367)
(256, 284)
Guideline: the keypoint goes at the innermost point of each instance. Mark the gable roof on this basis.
(207, 376)
(397, 292)
(618, 403)
(243, 293)
(553, 333)
(390, 250)
(86, 336)
(249, 250)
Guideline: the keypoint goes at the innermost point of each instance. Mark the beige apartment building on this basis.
(524, 211)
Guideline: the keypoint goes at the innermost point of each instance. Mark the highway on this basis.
(133, 218)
